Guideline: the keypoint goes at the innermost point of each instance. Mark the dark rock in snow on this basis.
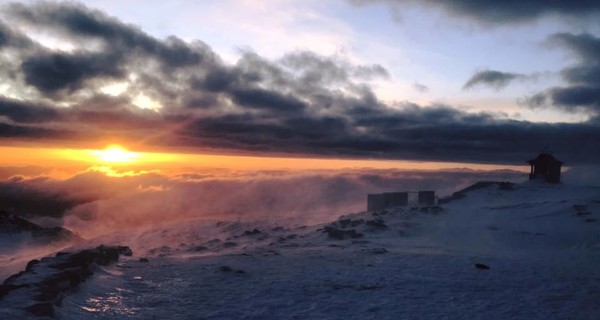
(41, 309)
(214, 241)
(228, 269)
(345, 223)
(6, 288)
(11, 279)
(198, 248)
(342, 234)
(225, 269)
(230, 244)
(251, 233)
(481, 266)
(144, 260)
(377, 224)
(31, 263)
(49, 294)
(379, 250)
(58, 275)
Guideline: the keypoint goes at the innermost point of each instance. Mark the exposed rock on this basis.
(342, 234)
(49, 294)
(377, 224)
(31, 263)
(225, 269)
(6, 288)
(251, 232)
(345, 223)
(144, 260)
(481, 266)
(52, 277)
(41, 309)
(229, 244)
(379, 250)
(11, 279)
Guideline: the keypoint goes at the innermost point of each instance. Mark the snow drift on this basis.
(540, 244)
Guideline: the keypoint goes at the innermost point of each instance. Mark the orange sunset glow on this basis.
(119, 156)
(116, 154)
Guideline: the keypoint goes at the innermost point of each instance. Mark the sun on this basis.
(115, 154)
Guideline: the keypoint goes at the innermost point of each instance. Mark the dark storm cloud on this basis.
(413, 132)
(492, 11)
(582, 74)
(582, 92)
(86, 23)
(303, 103)
(6, 35)
(491, 78)
(24, 112)
(122, 48)
(11, 38)
(52, 72)
(32, 132)
(586, 46)
(267, 99)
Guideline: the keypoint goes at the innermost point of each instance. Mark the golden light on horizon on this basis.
(123, 161)
(116, 154)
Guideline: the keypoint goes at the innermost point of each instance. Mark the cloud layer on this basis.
(582, 92)
(491, 78)
(147, 198)
(60, 86)
(500, 12)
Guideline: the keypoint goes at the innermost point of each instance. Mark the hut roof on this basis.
(544, 157)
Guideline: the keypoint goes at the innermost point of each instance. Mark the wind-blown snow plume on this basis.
(93, 202)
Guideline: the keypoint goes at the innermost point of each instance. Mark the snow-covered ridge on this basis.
(44, 283)
(541, 243)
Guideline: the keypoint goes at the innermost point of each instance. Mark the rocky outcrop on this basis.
(12, 224)
(482, 266)
(340, 234)
(45, 282)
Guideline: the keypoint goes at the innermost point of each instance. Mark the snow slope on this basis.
(541, 242)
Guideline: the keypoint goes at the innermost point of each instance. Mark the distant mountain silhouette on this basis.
(11, 224)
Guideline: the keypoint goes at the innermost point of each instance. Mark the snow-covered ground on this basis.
(541, 242)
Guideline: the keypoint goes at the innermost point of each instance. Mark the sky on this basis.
(454, 81)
